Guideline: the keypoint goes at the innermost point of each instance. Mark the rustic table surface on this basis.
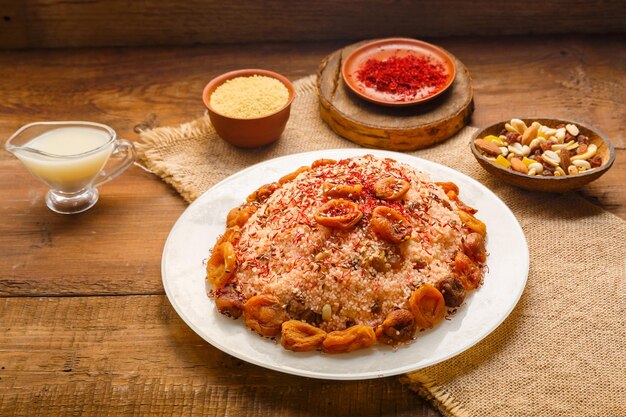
(85, 326)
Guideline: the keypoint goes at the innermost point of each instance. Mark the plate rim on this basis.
(349, 152)
(443, 54)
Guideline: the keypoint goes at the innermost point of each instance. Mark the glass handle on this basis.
(124, 155)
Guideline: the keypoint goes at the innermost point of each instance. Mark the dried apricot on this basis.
(264, 314)
(301, 337)
(221, 265)
(448, 186)
(390, 225)
(342, 190)
(232, 235)
(391, 188)
(292, 176)
(472, 222)
(353, 338)
(338, 213)
(322, 162)
(240, 215)
(474, 247)
(399, 326)
(467, 271)
(427, 305)
(263, 193)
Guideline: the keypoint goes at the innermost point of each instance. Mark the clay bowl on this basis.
(383, 49)
(248, 133)
(548, 184)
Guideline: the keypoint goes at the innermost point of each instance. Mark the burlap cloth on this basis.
(561, 352)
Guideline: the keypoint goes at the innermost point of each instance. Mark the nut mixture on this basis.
(540, 150)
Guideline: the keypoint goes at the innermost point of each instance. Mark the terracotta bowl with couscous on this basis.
(250, 107)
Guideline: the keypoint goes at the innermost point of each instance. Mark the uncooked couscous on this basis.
(249, 97)
(345, 254)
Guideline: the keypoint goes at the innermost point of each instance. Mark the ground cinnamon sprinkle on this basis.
(407, 77)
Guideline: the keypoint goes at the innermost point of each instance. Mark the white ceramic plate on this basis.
(197, 229)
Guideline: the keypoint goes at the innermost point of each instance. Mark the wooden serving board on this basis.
(393, 128)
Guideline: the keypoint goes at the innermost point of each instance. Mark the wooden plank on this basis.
(133, 355)
(113, 248)
(59, 23)
(571, 77)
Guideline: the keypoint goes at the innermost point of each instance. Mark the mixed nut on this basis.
(540, 150)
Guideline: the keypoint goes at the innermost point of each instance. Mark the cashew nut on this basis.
(558, 172)
(572, 129)
(519, 125)
(510, 128)
(560, 134)
(591, 151)
(546, 132)
(519, 149)
(504, 150)
(536, 167)
(560, 146)
(551, 158)
(536, 142)
(572, 170)
(581, 165)
(516, 148)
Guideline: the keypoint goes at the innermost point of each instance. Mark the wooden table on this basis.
(85, 326)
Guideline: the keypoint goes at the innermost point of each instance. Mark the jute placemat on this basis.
(562, 351)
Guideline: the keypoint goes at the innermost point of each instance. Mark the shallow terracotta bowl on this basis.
(248, 133)
(540, 183)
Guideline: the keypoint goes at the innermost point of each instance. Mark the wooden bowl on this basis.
(540, 183)
(248, 133)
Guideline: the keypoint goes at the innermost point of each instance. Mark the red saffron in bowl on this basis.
(407, 77)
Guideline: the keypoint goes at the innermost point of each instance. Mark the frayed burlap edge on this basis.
(152, 141)
(152, 160)
(434, 394)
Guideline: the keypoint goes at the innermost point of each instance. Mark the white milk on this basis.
(68, 170)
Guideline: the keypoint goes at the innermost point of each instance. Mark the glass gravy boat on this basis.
(70, 158)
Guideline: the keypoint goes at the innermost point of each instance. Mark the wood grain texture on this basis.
(90, 347)
(60, 23)
(132, 355)
(114, 248)
(397, 129)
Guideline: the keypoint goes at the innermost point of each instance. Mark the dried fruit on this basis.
(338, 213)
(353, 338)
(391, 188)
(427, 306)
(301, 337)
(390, 225)
(264, 314)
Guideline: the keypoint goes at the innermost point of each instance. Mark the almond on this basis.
(530, 134)
(489, 148)
(518, 165)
